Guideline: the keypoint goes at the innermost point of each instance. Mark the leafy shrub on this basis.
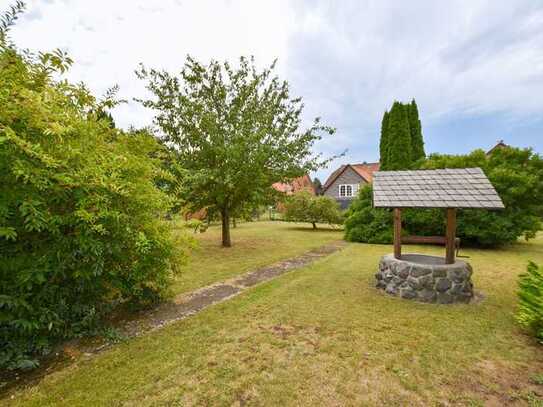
(80, 212)
(304, 207)
(364, 223)
(530, 310)
(517, 175)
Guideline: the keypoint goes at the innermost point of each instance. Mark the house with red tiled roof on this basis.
(343, 184)
(302, 183)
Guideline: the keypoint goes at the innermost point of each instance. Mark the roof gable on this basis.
(364, 171)
(330, 180)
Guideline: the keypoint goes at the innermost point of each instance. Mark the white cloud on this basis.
(349, 60)
(463, 58)
(108, 39)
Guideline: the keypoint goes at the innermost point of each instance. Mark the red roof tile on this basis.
(297, 184)
(366, 170)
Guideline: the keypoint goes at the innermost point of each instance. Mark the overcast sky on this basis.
(474, 67)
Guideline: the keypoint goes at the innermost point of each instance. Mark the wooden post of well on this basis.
(397, 233)
(450, 236)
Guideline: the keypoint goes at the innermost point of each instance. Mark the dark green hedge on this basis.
(517, 175)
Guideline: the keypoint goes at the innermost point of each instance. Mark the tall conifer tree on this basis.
(417, 142)
(383, 145)
(401, 143)
(399, 137)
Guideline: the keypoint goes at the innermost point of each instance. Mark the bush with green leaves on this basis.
(305, 207)
(530, 309)
(517, 175)
(364, 223)
(80, 212)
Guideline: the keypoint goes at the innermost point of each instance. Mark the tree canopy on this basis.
(305, 207)
(235, 130)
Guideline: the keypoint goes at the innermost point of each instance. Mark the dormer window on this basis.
(348, 190)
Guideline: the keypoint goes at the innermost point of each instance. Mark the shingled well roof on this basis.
(447, 188)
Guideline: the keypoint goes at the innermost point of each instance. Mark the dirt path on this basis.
(179, 308)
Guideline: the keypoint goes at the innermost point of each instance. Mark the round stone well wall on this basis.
(425, 278)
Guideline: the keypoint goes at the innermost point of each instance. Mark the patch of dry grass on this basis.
(254, 244)
(323, 335)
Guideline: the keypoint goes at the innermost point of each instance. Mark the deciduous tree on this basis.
(235, 130)
(305, 207)
(81, 223)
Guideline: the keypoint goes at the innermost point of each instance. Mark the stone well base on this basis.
(425, 278)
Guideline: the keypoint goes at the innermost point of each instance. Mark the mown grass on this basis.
(254, 244)
(323, 335)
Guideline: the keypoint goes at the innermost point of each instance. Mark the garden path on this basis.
(190, 303)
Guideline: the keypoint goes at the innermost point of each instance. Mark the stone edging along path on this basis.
(164, 314)
(191, 303)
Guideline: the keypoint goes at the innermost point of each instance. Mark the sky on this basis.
(475, 67)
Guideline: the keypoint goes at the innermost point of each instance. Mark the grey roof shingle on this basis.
(447, 188)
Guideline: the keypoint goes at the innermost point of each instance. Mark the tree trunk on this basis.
(314, 225)
(450, 241)
(225, 217)
(397, 233)
(234, 223)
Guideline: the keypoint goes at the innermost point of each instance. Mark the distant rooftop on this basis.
(499, 144)
(447, 188)
(364, 170)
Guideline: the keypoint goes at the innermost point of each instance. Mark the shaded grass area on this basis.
(254, 244)
(324, 335)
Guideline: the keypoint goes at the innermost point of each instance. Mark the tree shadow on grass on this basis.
(309, 228)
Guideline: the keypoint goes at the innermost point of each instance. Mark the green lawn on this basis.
(254, 244)
(321, 335)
